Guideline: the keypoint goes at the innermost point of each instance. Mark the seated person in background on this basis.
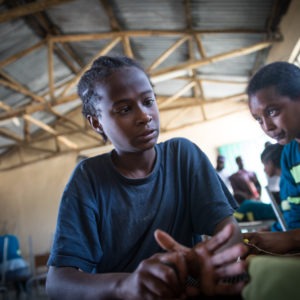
(271, 157)
(104, 246)
(220, 168)
(17, 270)
(252, 210)
(244, 183)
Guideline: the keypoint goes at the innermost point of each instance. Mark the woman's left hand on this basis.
(208, 266)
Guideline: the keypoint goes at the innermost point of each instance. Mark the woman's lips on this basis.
(148, 134)
(279, 136)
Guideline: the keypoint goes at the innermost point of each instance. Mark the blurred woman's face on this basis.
(269, 168)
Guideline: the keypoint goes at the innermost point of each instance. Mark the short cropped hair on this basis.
(100, 70)
(284, 76)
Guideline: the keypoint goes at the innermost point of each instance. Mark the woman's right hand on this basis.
(162, 276)
(208, 265)
(272, 242)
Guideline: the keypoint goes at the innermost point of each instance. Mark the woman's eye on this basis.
(258, 119)
(149, 102)
(272, 112)
(123, 110)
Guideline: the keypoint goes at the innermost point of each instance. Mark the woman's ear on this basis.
(96, 125)
(94, 122)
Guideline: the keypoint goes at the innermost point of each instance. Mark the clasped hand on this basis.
(165, 275)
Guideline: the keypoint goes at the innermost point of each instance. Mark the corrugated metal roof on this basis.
(78, 30)
(231, 14)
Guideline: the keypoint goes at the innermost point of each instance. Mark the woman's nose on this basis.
(268, 125)
(144, 118)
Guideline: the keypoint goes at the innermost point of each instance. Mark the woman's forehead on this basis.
(126, 75)
(124, 80)
(265, 97)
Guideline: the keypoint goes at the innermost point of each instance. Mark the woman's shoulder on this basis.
(98, 159)
(178, 142)
(292, 148)
(180, 146)
(91, 165)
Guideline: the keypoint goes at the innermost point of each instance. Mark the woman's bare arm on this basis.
(154, 278)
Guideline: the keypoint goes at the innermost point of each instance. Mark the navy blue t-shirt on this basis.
(106, 221)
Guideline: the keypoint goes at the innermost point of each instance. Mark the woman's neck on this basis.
(134, 165)
(278, 172)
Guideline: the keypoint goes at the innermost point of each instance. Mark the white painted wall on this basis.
(29, 199)
(226, 130)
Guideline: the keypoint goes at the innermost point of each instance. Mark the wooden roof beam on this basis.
(200, 45)
(177, 94)
(168, 52)
(103, 51)
(114, 23)
(5, 106)
(29, 109)
(50, 130)
(178, 115)
(64, 118)
(10, 135)
(172, 72)
(145, 33)
(21, 54)
(198, 89)
(29, 9)
(63, 51)
(163, 130)
(236, 97)
(22, 90)
(127, 47)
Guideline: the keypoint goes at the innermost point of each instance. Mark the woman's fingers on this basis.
(207, 265)
(231, 270)
(163, 275)
(176, 261)
(166, 242)
(169, 244)
(229, 255)
(220, 238)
